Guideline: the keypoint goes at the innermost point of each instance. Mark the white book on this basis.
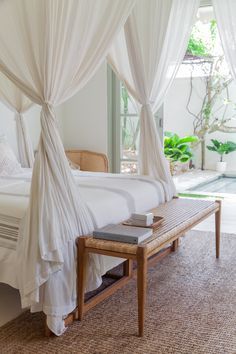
(123, 233)
(148, 217)
(137, 222)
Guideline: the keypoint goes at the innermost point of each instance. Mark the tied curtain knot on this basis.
(49, 123)
(50, 140)
(147, 107)
(18, 116)
(146, 112)
(48, 111)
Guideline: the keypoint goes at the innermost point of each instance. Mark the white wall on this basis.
(177, 119)
(84, 116)
(82, 119)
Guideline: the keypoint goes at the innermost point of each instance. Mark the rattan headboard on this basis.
(88, 160)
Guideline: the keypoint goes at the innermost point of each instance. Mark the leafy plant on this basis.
(222, 148)
(178, 149)
(199, 46)
(196, 47)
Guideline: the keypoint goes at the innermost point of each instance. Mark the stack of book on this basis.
(123, 233)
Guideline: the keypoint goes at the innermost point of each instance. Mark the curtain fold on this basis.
(146, 56)
(53, 48)
(225, 16)
(18, 103)
(25, 147)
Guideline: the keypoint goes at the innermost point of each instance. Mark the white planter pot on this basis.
(221, 166)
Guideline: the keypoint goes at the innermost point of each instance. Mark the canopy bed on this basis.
(53, 48)
(109, 198)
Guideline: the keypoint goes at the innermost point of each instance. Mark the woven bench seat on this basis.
(180, 215)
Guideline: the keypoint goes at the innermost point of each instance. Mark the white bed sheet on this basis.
(110, 198)
(8, 259)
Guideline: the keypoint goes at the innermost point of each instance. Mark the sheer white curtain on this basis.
(146, 56)
(18, 103)
(225, 12)
(51, 50)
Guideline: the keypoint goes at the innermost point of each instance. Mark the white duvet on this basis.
(110, 198)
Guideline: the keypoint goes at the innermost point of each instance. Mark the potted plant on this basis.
(222, 149)
(178, 150)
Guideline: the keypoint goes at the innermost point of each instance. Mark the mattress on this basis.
(110, 198)
(13, 204)
(12, 209)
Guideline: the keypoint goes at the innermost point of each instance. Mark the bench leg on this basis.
(175, 245)
(217, 229)
(141, 285)
(128, 268)
(81, 276)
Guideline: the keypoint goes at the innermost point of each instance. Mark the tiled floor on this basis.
(10, 300)
(190, 179)
(228, 224)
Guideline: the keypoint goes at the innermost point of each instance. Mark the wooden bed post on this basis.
(217, 228)
(141, 285)
(81, 274)
(48, 332)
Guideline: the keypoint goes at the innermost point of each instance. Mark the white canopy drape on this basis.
(225, 12)
(146, 56)
(18, 103)
(52, 49)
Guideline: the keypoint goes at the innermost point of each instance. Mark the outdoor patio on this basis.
(193, 178)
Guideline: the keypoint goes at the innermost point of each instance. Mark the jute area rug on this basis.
(191, 309)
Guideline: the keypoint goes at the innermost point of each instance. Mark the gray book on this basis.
(123, 233)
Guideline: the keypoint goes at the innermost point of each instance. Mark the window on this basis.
(129, 133)
(124, 127)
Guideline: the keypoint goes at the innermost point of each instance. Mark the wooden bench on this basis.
(180, 215)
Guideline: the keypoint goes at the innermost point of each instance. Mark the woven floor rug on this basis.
(191, 309)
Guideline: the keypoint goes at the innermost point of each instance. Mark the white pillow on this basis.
(8, 161)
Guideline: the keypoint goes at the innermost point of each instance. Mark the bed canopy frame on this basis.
(53, 48)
